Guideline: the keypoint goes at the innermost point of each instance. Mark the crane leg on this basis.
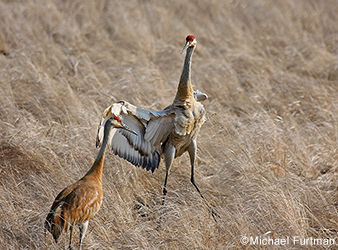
(169, 156)
(70, 238)
(83, 229)
(192, 153)
(168, 160)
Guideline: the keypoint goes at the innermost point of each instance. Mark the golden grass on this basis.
(267, 156)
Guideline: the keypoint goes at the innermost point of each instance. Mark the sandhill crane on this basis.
(79, 202)
(169, 132)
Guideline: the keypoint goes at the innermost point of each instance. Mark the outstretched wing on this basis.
(152, 128)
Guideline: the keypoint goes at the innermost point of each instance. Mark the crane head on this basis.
(190, 42)
(117, 123)
(112, 121)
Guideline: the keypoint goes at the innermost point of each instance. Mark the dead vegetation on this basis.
(267, 157)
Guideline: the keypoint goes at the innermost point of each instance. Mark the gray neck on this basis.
(185, 90)
(97, 167)
(186, 72)
(103, 148)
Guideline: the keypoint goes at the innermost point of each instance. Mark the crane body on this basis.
(167, 133)
(79, 202)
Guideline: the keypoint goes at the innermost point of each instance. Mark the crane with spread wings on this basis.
(169, 132)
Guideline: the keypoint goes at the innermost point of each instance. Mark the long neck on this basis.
(97, 168)
(185, 91)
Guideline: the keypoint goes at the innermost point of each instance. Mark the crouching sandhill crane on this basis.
(79, 202)
(169, 132)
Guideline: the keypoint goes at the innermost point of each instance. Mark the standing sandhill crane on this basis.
(79, 202)
(169, 132)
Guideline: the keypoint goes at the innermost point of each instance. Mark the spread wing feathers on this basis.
(152, 127)
(121, 147)
(158, 129)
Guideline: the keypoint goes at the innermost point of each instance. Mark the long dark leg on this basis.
(192, 153)
(70, 238)
(83, 229)
(169, 156)
(168, 160)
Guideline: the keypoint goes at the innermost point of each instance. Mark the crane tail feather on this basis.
(55, 224)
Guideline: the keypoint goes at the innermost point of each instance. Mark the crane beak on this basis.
(185, 47)
(128, 129)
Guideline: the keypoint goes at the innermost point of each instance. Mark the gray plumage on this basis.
(169, 132)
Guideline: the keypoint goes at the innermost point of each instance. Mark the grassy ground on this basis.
(267, 154)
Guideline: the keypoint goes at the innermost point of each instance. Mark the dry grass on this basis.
(267, 157)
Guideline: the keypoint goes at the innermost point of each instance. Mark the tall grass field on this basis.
(267, 154)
